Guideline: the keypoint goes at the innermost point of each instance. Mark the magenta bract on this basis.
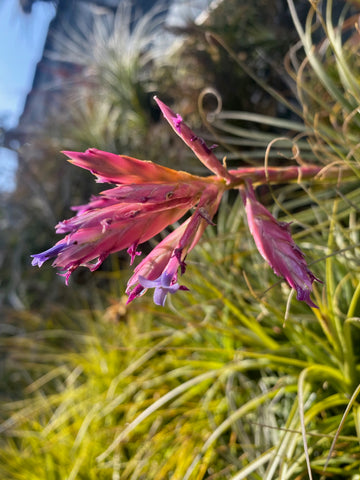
(275, 244)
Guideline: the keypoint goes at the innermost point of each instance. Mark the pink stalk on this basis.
(261, 175)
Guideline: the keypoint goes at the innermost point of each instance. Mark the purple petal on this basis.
(160, 296)
(163, 285)
(146, 283)
(40, 258)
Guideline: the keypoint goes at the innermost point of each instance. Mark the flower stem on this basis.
(260, 175)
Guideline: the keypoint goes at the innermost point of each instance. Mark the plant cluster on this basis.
(233, 379)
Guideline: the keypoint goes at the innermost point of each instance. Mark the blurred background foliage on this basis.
(221, 383)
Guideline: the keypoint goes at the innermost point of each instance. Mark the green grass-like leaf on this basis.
(207, 387)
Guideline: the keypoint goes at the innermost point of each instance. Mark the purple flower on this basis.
(40, 258)
(163, 285)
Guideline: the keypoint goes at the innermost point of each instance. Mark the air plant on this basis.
(148, 198)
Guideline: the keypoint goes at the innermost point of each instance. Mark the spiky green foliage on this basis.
(108, 105)
(218, 385)
(328, 82)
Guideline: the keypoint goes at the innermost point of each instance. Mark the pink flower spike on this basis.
(122, 218)
(147, 199)
(197, 144)
(277, 247)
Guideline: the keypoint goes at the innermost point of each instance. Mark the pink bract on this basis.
(275, 244)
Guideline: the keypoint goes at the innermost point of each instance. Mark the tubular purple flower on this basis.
(52, 252)
(275, 244)
(163, 285)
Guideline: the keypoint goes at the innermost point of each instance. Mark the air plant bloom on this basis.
(147, 198)
(276, 246)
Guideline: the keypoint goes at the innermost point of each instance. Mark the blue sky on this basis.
(22, 38)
